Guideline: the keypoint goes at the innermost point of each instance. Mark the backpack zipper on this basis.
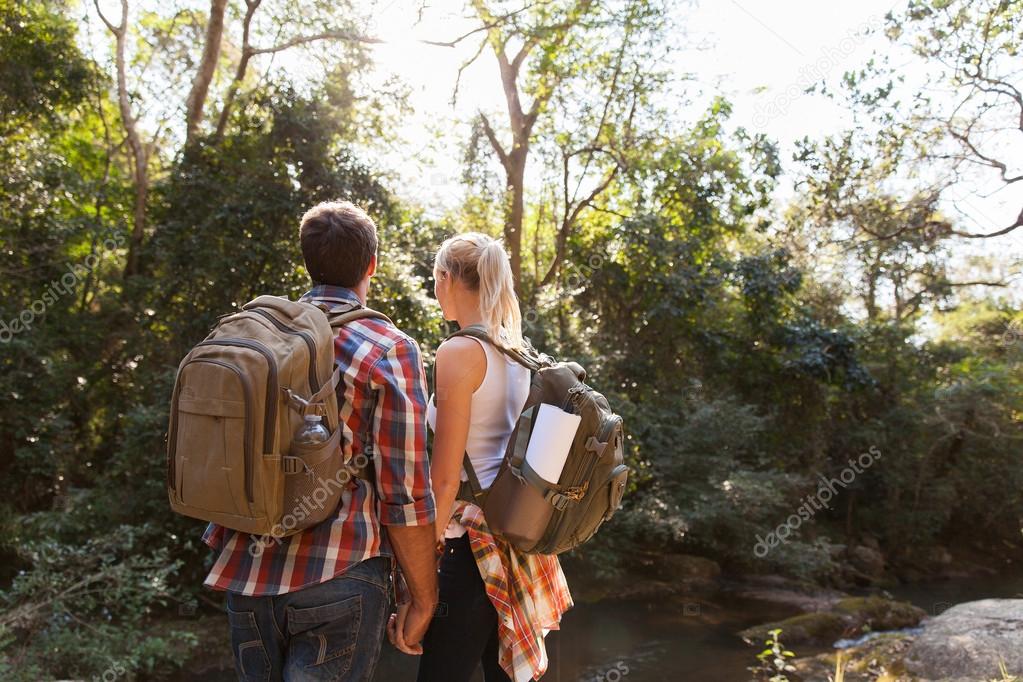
(270, 416)
(247, 391)
(575, 395)
(314, 384)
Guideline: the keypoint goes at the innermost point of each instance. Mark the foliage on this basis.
(749, 355)
(42, 70)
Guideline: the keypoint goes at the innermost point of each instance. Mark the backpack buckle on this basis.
(559, 501)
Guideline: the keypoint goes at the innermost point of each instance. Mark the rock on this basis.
(879, 613)
(909, 575)
(849, 616)
(967, 641)
(806, 628)
(873, 661)
(867, 560)
(870, 541)
(776, 589)
(937, 556)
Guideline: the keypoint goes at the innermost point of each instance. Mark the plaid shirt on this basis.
(382, 394)
(529, 592)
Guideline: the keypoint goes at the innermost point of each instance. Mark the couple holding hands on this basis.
(316, 605)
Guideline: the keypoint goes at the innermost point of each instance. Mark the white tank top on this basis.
(495, 407)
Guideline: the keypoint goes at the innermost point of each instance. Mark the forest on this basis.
(858, 335)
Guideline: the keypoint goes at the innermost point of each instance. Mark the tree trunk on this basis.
(139, 152)
(516, 210)
(207, 67)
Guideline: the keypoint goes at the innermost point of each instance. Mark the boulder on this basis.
(967, 641)
(847, 617)
(795, 594)
(867, 560)
(870, 541)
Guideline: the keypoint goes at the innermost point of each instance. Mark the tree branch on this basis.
(243, 63)
(326, 35)
(996, 233)
(494, 142)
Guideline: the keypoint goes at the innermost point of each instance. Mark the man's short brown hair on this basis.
(338, 242)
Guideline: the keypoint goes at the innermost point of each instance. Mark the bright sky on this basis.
(760, 53)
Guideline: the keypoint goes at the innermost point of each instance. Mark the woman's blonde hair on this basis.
(481, 263)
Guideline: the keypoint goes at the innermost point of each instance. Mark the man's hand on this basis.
(408, 626)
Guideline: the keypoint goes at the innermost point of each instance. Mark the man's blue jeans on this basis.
(330, 631)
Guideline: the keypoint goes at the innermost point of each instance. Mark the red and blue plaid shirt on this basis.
(382, 395)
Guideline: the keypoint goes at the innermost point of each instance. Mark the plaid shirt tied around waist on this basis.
(382, 401)
(529, 592)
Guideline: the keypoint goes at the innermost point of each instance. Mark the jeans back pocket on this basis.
(325, 635)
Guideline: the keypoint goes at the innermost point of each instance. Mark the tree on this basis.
(42, 69)
(969, 112)
(545, 51)
(143, 144)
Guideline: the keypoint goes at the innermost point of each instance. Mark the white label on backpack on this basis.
(551, 440)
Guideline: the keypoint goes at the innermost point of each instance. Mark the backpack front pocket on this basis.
(212, 440)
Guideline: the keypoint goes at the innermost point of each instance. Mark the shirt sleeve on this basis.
(399, 437)
(213, 536)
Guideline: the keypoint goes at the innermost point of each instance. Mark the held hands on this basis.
(407, 627)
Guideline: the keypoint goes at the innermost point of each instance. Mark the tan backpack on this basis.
(549, 517)
(239, 397)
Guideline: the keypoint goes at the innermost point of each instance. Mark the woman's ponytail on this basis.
(498, 302)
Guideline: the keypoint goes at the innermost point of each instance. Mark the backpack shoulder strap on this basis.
(471, 490)
(338, 318)
(523, 357)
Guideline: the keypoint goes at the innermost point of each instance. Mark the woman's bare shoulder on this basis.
(461, 358)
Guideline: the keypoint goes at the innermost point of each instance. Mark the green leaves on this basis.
(42, 71)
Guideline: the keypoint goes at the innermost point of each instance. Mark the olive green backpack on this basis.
(550, 517)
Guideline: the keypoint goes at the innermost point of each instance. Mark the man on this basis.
(312, 606)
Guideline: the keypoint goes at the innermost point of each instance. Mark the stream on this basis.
(694, 641)
(672, 639)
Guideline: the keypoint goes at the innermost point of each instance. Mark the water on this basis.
(675, 639)
(937, 596)
(636, 641)
(692, 641)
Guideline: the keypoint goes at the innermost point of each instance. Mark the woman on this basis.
(479, 394)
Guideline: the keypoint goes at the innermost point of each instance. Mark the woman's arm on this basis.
(460, 369)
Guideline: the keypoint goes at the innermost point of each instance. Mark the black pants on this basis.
(463, 632)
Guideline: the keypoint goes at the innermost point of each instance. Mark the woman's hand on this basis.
(409, 624)
(396, 631)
